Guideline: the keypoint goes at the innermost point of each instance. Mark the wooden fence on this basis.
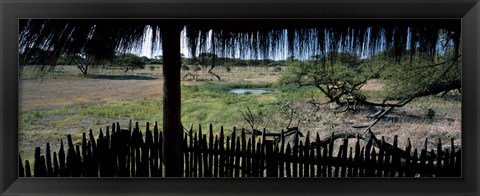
(129, 153)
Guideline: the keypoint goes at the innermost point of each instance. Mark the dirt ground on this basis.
(44, 94)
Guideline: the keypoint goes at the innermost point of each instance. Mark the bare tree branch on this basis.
(379, 117)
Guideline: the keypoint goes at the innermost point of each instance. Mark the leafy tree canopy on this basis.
(336, 79)
(422, 76)
(130, 61)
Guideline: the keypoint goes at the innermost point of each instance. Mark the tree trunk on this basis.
(171, 102)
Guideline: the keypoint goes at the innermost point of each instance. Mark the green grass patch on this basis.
(211, 103)
(136, 110)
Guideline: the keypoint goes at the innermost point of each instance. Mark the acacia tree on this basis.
(209, 60)
(130, 61)
(84, 63)
(420, 71)
(421, 76)
(336, 79)
(157, 59)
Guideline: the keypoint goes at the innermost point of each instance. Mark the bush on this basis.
(430, 113)
(185, 67)
(152, 67)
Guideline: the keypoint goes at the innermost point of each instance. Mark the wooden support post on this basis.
(172, 126)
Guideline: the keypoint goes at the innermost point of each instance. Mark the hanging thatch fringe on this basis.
(244, 38)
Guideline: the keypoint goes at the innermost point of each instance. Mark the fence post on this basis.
(206, 169)
(295, 156)
(216, 156)
(49, 161)
(38, 169)
(232, 154)
(242, 154)
(281, 155)
(260, 156)
(300, 160)
(227, 158)
(458, 164)
(330, 156)
(306, 153)
(452, 154)
(148, 147)
(344, 159)
(211, 153)
(287, 160)
(409, 166)
(368, 160)
(319, 156)
(21, 170)
(349, 164)
(373, 164)
(94, 144)
(192, 152)
(423, 159)
(438, 168)
(356, 161)
(161, 141)
(415, 166)
(61, 157)
(271, 162)
(186, 157)
(237, 157)
(361, 170)
(196, 156)
(452, 158)
(325, 162)
(311, 160)
(248, 156)
(381, 155)
(84, 145)
(430, 169)
(28, 172)
(221, 166)
(156, 146)
(339, 159)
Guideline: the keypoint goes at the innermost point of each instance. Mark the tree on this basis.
(130, 61)
(413, 75)
(420, 76)
(335, 79)
(85, 62)
(157, 60)
(145, 60)
(208, 60)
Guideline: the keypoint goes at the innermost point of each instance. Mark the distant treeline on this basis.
(45, 58)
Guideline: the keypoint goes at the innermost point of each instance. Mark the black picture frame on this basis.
(11, 11)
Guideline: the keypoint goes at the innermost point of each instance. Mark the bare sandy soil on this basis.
(45, 94)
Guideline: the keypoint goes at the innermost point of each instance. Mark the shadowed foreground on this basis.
(127, 153)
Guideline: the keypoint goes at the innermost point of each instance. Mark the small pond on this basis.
(249, 91)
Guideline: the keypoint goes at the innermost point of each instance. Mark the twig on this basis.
(400, 104)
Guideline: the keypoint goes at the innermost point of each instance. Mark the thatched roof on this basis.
(262, 38)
